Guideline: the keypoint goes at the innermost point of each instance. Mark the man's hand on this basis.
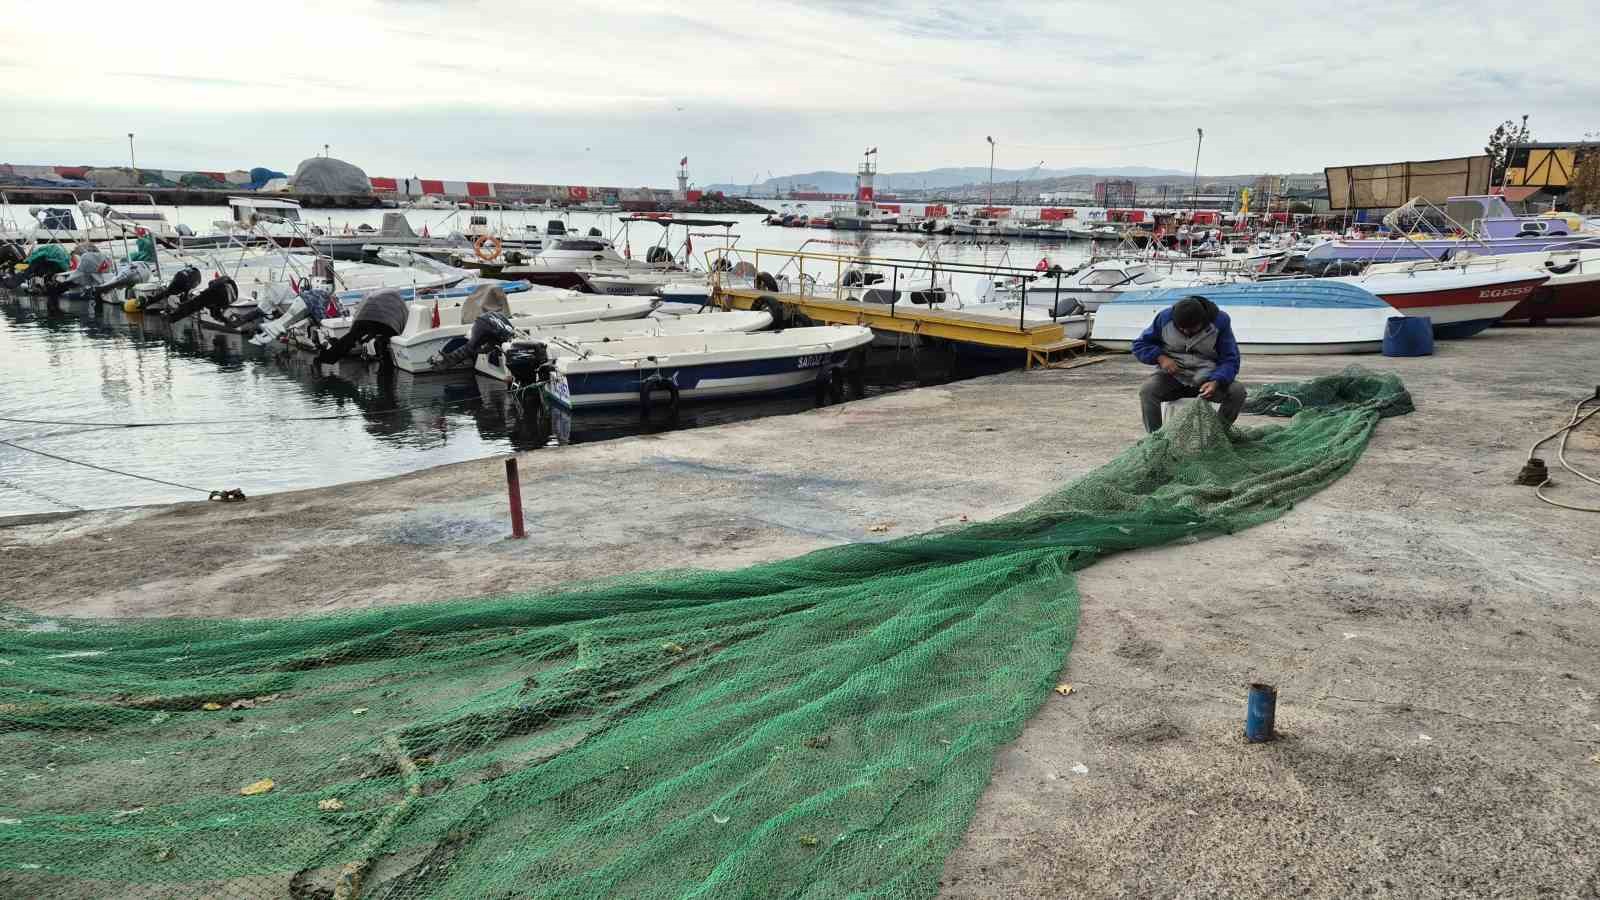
(1207, 389)
(1167, 364)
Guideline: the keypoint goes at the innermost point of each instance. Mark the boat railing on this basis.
(13, 232)
(905, 276)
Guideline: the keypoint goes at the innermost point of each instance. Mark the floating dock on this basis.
(1043, 343)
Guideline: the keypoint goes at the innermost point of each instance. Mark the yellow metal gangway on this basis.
(886, 294)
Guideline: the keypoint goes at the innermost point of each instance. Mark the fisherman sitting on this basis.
(1191, 343)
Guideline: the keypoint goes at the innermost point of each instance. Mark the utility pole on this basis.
(1194, 192)
(991, 169)
(132, 163)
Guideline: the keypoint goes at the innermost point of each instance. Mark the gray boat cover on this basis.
(326, 175)
(385, 308)
(486, 299)
(395, 225)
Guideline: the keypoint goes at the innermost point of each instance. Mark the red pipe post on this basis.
(514, 488)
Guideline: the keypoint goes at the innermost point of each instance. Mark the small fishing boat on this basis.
(696, 367)
(433, 329)
(1460, 301)
(1078, 290)
(1275, 317)
(561, 338)
(1572, 291)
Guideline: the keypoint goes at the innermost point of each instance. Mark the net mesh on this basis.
(817, 727)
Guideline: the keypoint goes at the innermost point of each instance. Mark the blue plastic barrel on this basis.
(1408, 336)
(1260, 713)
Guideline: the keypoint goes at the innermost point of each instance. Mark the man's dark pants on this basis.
(1161, 387)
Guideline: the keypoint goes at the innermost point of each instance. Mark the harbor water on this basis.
(224, 414)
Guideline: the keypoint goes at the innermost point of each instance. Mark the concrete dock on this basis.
(1432, 628)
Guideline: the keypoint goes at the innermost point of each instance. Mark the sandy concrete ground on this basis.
(1431, 627)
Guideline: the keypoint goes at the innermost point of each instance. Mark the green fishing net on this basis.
(820, 727)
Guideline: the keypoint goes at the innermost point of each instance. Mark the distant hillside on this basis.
(844, 182)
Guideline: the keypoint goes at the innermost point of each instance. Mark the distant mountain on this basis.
(830, 182)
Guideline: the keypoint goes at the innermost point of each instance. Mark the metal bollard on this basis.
(514, 488)
(1260, 709)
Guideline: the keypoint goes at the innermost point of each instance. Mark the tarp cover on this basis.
(260, 175)
(326, 175)
(488, 298)
(395, 225)
(111, 178)
(384, 307)
(1392, 184)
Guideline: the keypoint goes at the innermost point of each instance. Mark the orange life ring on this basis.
(485, 240)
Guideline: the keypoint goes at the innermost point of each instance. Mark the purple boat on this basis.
(1492, 229)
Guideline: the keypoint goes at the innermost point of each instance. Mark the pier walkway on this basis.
(898, 304)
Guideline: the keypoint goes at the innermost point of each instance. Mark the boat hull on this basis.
(695, 382)
(1579, 299)
(1294, 317)
(711, 367)
(1361, 252)
(1457, 312)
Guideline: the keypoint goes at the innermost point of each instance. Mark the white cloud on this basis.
(616, 92)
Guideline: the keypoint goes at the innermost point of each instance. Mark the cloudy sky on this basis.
(570, 91)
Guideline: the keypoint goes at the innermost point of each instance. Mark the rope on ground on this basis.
(1565, 433)
(87, 465)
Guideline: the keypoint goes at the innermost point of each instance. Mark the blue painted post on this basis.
(1260, 710)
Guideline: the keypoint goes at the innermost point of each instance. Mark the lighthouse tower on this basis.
(683, 178)
(864, 195)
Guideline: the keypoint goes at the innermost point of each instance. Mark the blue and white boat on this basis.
(1291, 316)
(700, 367)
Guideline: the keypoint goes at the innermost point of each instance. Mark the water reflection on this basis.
(271, 419)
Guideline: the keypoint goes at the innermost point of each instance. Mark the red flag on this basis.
(627, 250)
(688, 247)
(1044, 263)
(435, 314)
(424, 229)
(684, 161)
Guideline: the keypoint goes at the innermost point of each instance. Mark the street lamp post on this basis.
(991, 169)
(132, 163)
(1194, 192)
(324, 151)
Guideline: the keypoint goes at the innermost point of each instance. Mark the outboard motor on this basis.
(555, 227)
(181, 285)
(528, 360)
(295, 307)
(127, 275)
(595, 232)
(381, 316)
(217, 297)
(658, 254)
(489, 330)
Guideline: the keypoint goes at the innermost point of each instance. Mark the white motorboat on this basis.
(1572, 291)
(1460, 301)
(1078, 290)
(1274, 317)
(564, 338)
(437, 328)
(697, 367)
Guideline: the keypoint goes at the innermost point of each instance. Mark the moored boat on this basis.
(696, 367)
(1276, 317)
(1460, 301)
(561, 338)
(433, 329)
